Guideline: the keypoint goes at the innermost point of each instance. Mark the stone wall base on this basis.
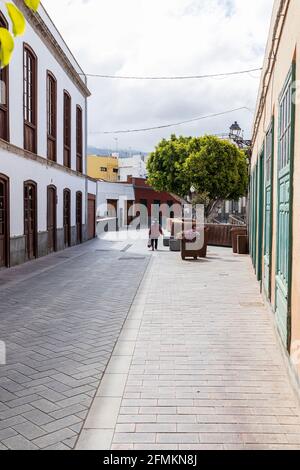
(18, 244)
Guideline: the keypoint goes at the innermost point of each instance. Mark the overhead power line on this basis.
(186, 77)
(174, 124)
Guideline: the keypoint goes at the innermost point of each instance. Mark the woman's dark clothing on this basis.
(154, 243)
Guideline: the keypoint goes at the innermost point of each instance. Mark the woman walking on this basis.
(154, 233)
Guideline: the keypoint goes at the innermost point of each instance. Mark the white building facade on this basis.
(135, 166)
(44, 193)
(114, 201)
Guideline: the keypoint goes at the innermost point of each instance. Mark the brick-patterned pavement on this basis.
(197, 366)
(60, 318)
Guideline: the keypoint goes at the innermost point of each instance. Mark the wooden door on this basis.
(51, 218)
(112, 208)
(91, 216)
(79, 217)
(67, 218)
(129, 212)
(4, 222)
(30, 219)
(284, 211)
(268, 212)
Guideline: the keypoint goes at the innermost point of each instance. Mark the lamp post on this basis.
(236, 135)
(235, 131)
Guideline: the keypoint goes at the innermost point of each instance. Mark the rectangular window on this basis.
(269, 154)
(285, 126)
(103, 168)
(79, 140)
(67, 130)
(30, 100)
(51, 116)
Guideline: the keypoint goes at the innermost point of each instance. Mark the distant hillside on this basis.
(106, 152)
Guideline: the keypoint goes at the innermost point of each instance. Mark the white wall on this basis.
(20, 169)
(134, 166)
(46, 61)
(92, 187)
(43, 176)
(116, 191)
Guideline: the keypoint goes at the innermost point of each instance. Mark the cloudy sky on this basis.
(158, 38)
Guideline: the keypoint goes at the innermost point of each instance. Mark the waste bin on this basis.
(242, 245)
(166, 241)
(235, 232)
(175, 245)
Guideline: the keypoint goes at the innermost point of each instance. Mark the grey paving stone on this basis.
(74, 409)
(62, 423)
(45, 405)
(19, 443)
(29, 430)
(6, 433)
(6, 423)
(60, 341)
(38, 417)
(53, 438)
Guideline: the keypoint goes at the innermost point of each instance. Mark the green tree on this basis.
(18, 25)
(217, 169)
(166, 166)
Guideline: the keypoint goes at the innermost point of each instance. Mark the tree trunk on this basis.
(212, 210)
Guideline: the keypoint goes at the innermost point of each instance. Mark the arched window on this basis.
(51, 218)
(79, 216)
(30, 219)
(67, 218)
(79, 140)
(4, 95)
(4, 221)
(30, 100)
(67, 129)
(51, 117)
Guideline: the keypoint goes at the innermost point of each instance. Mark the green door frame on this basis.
(260, 215)
(254, 219)
(268, 240)
(290, 81)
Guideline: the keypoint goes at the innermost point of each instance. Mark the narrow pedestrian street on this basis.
(60, 318)
(196, 365)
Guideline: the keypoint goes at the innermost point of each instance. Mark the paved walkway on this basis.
(60, 318)
(197, 365)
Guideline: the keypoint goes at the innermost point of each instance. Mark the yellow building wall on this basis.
(288, 52)
(95, 165)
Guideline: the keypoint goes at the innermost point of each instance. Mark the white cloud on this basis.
(164, 37)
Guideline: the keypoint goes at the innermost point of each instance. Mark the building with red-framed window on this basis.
(159, 204)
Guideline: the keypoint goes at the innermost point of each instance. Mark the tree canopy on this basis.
(166, 166)
(215, 168)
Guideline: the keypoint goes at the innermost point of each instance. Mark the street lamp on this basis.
(235, 131)
(236, 135)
